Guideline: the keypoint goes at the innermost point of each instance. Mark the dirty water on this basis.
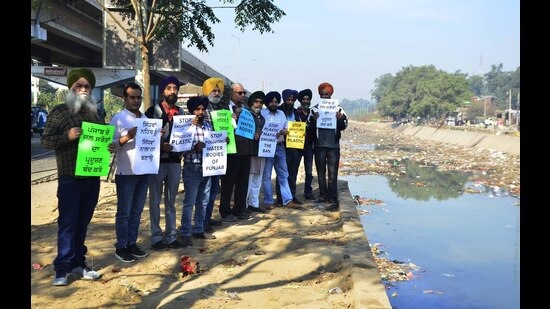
(462, 238)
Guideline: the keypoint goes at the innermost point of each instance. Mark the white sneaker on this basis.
(85, 273)
(60, 279)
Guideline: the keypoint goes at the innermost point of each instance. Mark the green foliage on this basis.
(421, 92)
(382, 85)
(46, 99)
(112, 104)
(189, 21)
(50, 99)
(497, 83)
(476, 85)
(44, 86)
(427, 92)
(186, 21)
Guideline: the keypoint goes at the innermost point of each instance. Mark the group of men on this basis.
(246, 172)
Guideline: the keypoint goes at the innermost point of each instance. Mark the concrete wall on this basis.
(505, 143)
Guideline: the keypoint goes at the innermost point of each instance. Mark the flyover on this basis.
(69, 33)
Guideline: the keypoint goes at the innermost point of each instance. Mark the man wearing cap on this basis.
(213, 88)
(169, 176)
(303, 113)
(327, 151)
(77, 196)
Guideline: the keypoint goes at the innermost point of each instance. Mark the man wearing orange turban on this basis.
(327, 151)
(326, 88)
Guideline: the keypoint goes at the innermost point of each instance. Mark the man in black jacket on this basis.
(327, 151)
(169, 176)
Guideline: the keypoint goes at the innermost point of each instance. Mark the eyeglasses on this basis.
(240, 92)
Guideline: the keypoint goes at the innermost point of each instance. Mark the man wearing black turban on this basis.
(293, 155)
(304, 114)
(255, 102)
(196, 185)
(168, 179)
(278, 161)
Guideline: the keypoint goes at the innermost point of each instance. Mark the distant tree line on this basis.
(427, 92)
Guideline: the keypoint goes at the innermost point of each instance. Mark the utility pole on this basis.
(485, 107)
(510, 107)
(517, 113)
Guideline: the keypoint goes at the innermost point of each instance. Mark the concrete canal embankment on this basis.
(497, 140)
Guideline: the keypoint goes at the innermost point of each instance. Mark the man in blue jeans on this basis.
(197, 186)
(77, 196)
(213, 89)
(273, 115)
(131, 188)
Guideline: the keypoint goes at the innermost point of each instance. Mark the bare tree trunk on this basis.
(146, 77)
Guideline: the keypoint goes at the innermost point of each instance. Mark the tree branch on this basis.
(117, 21)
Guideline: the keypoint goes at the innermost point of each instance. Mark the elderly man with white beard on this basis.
(77, 196)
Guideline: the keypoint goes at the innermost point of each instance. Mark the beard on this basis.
(81, 101)
(272, 108)
(171, 99)
(214, 99)
(256, 110)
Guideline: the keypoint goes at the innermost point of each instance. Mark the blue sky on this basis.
(350, 43)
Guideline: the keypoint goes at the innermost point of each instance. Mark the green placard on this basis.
(93, 149)
(221, 120)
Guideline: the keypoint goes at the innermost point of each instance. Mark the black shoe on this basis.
(136, 251)
(175, 244)
(333, 206)
(124, 255)
(214, 222)
(297, 201)
(203, 235)
(257, 209)
(208, 228)
(292, 205)
(320, 200)
(229, 218)
(159, 245)
(309, 197)
(243, 216)
(186, 242)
